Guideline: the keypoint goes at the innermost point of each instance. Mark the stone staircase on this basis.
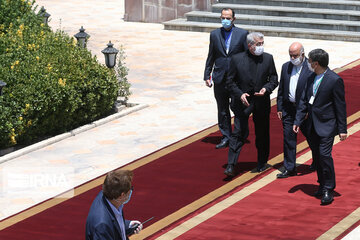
(316, 19)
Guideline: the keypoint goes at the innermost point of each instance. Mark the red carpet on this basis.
(285, 209)
(167, 184)
(161, 187)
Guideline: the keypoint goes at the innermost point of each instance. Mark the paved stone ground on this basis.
(166, 70)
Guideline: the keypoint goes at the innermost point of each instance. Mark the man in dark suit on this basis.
(251, 79)
(294, 77)
(224, 43)
(106, 219)
(324, 103)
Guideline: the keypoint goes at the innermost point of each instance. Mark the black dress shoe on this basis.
(327, 198)
(230, 170)
(261, 168)
(223, 144)
(286, 174)
(319, 192)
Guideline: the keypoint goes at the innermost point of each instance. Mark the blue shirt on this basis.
(119, 218)
(227, 35)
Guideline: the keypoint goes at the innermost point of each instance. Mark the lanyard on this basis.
(317, 84)
(229, 36)
(227, 41)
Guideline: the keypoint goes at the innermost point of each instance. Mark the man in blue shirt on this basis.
(105, 219)
(225, 42)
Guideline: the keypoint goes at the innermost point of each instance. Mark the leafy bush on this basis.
(121, 73)
(52, 84)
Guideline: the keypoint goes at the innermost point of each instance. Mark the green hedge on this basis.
(52, 85)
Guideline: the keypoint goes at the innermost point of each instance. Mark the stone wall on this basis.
(157, 11)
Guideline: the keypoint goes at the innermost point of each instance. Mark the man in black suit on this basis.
(224, 43)
(323, 102)
(294, 77)
(251, 79)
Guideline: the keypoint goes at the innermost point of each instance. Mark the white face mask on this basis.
(296, 61)
(310, 68)
(259, 50)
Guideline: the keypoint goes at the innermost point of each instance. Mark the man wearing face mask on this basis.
(224, 43)
(105, 219)
(323, 101)
(251, 79)
(294, 77)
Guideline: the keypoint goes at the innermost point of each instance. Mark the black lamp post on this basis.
(44, 15)
(110, 55)
(2, 84)
(82, 37)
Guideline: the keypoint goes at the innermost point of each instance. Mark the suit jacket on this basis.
(218, 60)
(101, 222)
(283, 92)
(328, 111)
(240, 80)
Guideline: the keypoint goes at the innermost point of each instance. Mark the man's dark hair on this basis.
(320, 56)
(116, 183)
(232, 10)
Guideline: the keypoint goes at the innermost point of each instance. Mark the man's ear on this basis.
(122, 195)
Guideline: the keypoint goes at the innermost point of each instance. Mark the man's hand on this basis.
(260, 93)
(244, 100)
(139, 227)
(295, 128)
(208, 83)
(342, 136)
(279, 114)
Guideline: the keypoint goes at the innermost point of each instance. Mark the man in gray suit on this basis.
(224, 43)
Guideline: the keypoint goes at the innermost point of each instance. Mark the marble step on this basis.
(295, 12)
(322, 4)
(184, 25)
(276, 21)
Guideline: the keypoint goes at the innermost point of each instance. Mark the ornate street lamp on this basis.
(44, 15)
(110, 55)
(2, 84)
(82, 37)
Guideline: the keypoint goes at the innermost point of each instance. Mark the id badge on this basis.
(311, 101)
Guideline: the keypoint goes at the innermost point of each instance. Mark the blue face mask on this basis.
(128, 198)
(226, 23)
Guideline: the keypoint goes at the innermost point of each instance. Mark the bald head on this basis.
(296, 50)
(296, 47)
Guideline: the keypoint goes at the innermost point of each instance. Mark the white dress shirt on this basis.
(295, 73)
